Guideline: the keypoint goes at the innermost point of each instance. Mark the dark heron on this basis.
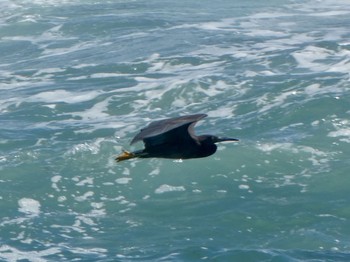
(174, 138)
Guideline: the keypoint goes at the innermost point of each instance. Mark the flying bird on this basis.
(174, 138)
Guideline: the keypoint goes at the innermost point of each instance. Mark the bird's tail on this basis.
(125, 155)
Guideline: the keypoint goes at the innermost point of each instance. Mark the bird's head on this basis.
(207, 144)
(214, 139)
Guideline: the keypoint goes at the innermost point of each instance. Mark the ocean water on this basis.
(80, 78)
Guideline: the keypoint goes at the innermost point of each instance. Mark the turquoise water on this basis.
(80, 78)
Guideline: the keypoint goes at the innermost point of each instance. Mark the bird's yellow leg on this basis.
(124, 156)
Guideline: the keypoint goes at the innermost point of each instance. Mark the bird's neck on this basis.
(207, 149)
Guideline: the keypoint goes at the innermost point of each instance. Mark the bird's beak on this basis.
(226, 139)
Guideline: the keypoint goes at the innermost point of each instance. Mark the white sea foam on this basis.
(93, 147)
(269, 147)
(278, 101)
(222, 25)
(59, 95)
(84, 65)
(55, 180)
(331, 13)
(243, 187)
(49, 71)
(67, 50)
(315, 156)
(343, 66)
(123, 180)
(29, 206)
(86, 181)
(155, 172)
(96, 112)
(312, 58)
(266, 33)
(269, 15)
(342, 130)
(104, 75)
(47, 2)
(167, 188)
(85, 196)
(312, 89)
(12, 254)
(222, 112)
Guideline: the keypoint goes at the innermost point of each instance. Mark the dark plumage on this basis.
(174, 138)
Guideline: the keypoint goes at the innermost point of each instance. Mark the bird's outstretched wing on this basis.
(173, 130)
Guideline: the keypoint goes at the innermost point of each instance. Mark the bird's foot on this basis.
(124, 156)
